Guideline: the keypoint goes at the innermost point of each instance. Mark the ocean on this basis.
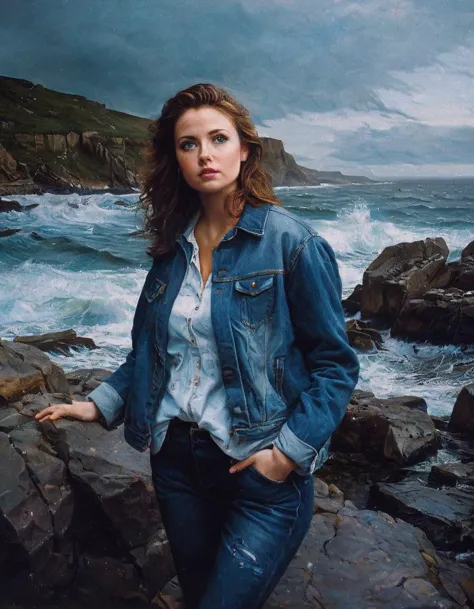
(76, 265)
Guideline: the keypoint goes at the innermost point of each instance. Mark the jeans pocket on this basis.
(259, 476)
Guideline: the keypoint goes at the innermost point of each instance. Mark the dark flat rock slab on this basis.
(446, 516)
(452, 474)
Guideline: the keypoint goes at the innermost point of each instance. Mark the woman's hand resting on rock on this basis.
(84, 411)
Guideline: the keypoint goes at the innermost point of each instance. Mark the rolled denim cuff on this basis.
(305, 456)
(109, 403)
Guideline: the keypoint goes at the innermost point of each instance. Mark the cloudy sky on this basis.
(381, 87)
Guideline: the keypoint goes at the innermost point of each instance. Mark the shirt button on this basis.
(196, 307)
(192, 341)
(189, 320)
(198, 363)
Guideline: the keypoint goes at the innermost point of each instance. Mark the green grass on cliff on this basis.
(35, 109)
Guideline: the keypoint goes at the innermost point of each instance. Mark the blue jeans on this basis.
(231, 535)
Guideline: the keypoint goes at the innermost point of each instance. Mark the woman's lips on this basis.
(208, 174)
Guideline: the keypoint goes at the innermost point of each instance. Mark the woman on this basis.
(240, 369)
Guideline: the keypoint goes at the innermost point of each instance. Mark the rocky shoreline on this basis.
(393, 525)
(57, 142)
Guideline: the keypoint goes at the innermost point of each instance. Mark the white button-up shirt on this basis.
(195, 391)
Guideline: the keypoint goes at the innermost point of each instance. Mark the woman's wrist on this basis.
(283, 460)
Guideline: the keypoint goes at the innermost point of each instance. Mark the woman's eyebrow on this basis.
(192, 137)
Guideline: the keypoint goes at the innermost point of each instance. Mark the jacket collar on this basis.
(252, 220)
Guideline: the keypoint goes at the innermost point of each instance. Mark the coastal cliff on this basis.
(63, 142)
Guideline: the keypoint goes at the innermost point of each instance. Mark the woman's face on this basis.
(208, 150)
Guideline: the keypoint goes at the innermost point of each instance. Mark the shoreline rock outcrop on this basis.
(79, 518)
(413, 288)
(66, 143)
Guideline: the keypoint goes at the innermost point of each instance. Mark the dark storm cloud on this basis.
(412, 144)
(276, 56)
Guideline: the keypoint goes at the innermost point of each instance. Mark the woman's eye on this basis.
(223, 138)
(184, 145)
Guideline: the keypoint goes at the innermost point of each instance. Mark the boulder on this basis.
(452, 474)
(84, 380)
(462, 271)
(116, 476)
(54, 377)
(401, 272)
(362, 336)
(445, 515)
(393, 430)
(49, 474)
(352, 303)
(6, 206)
(462, 417)
(56, 341)
(7, 232)
(442, 316)
(26, 523)
(17, 377)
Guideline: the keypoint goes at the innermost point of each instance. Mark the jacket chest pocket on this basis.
(257, 300)
(154, 289)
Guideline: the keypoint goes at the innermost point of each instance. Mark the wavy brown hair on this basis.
(167, 200)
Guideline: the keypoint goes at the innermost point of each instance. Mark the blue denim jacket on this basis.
(287, 367)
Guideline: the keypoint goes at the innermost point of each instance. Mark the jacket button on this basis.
(254, 284)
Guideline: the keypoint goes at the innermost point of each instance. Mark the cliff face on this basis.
(59, 141)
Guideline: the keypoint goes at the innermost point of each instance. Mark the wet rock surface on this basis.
(402, 271)
(79, 520)
(411, 287)
(445, 515)
(395, 429)
(56, 341)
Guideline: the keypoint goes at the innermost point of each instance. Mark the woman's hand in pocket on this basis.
(270, 462)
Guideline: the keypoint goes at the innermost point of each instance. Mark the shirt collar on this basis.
(189, 232)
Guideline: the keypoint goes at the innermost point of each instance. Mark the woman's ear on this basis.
(244, 152)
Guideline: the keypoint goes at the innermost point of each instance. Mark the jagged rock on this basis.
(155, 562)
(462, 417)
(446, 516)
(394, 430)
(83, 380)
(54, 377)
(462, 272)
(17, 377)
(6, 206)
(403, 271)
(352, 303)
(56, 341)
(26, 522)
(9, 231)
(452, 474)
(440, 316)
(116, 475)
(49, 474)
(362, 336)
